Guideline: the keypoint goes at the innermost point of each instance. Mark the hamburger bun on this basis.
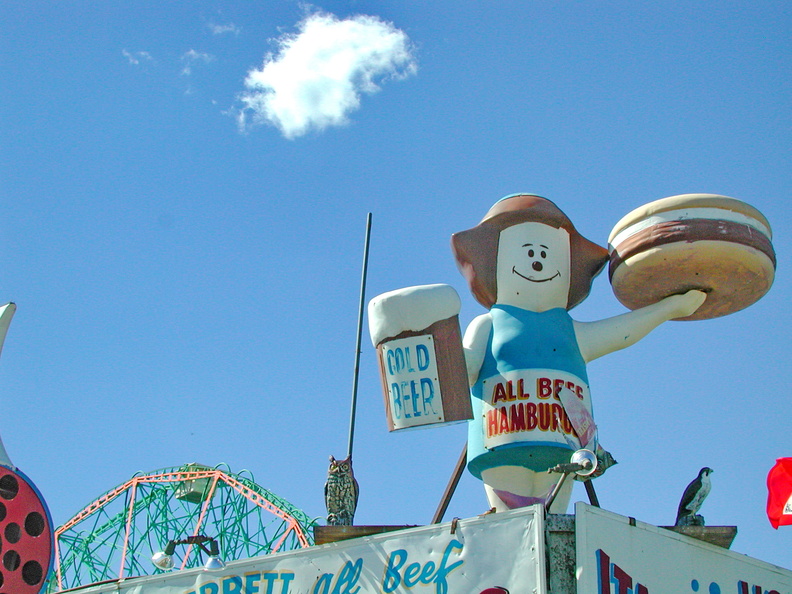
(693, 241)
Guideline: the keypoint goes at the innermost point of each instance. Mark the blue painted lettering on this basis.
(427, 393)
(428, 570)
(603, 569)
(411, 574)
(609, 573)
(743, 588)
(324, 582)
(344, 583)
(396, 361)
(414, 394)
(348, 578)
(392, 579)
(232, 585)
(252, 582)
(269, 577)
(405, 399)
(413, 398)
(400, 360)
(410, 368)
(621, 579)
(422, 353)
(415, 573)
(397, 401)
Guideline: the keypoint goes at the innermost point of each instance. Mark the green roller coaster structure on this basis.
(115, 535)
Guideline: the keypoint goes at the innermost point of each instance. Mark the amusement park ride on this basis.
(114, 536)
(517, 377)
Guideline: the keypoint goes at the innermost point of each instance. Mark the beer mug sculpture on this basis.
(419, 345)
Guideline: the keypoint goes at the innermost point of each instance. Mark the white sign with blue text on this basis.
(414, 395)
(616, 555)
(503, 551)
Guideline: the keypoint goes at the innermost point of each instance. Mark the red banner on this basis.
(779, 493)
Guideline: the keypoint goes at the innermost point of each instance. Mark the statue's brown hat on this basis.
(476, 250)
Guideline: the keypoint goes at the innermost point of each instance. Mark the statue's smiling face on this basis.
(533, 267)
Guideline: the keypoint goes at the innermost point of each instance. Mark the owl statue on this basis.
(341, 492)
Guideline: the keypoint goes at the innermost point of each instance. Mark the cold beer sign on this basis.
(413, 387)
(419, 345)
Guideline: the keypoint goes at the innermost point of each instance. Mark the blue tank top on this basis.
(524, 340)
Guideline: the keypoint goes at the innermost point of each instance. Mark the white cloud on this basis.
(136, 57)
(318, 74)
(223, 29)
(189, 59)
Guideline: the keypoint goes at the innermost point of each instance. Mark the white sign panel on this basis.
(413, 385)
(503, 550)
(523, 406)
(618, 556)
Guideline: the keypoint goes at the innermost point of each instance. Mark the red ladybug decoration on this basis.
(26, 535)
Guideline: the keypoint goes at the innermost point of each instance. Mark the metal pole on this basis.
(359, 334)
(591, 493)
(451, 487)
(556, 489)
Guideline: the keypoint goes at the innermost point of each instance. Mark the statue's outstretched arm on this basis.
(612, 334)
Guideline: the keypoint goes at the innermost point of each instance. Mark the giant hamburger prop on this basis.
(693, 241)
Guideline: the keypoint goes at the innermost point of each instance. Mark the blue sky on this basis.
(187, 286)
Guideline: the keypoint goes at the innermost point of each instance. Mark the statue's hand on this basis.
(681, 306)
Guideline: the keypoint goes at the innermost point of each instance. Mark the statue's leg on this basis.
(509, 487)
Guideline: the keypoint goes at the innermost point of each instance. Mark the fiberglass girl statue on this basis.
(526, 264)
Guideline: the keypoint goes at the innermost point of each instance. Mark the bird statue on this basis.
(692, 498)
(341, 492)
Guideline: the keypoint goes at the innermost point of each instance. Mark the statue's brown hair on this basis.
(476, 250)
